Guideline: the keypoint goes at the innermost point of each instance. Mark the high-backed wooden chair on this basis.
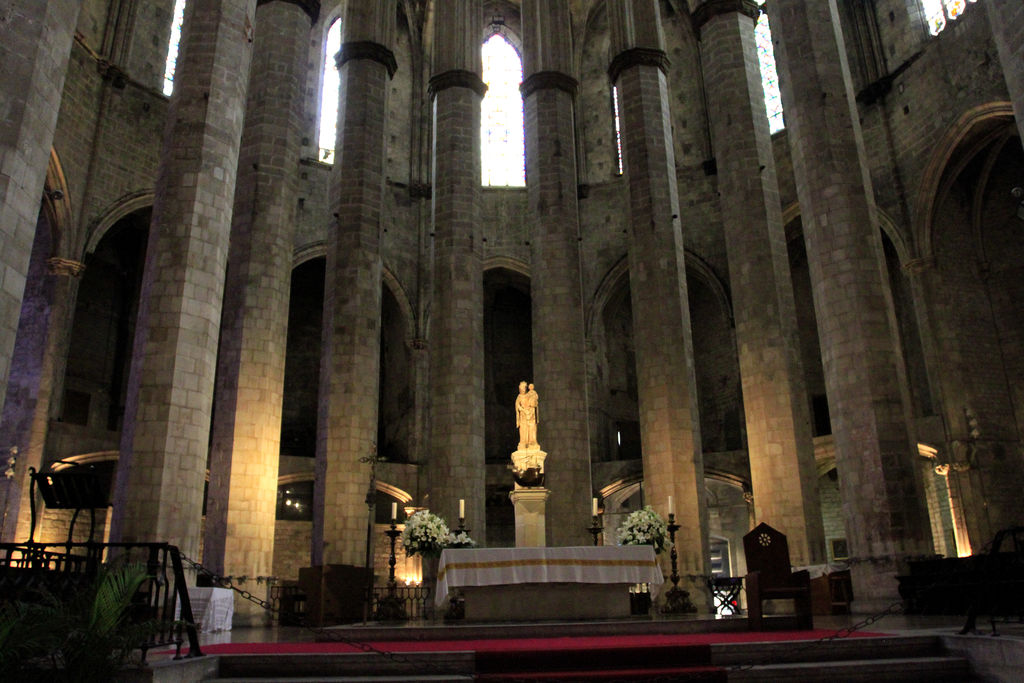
(769, 577)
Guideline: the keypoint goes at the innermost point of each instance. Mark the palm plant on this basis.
(84, 639)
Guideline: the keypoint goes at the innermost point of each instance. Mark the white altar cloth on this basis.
(212, 608)
(603, 564)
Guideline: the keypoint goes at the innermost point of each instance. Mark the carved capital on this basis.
(65, 266)
(112, 73)
(549, 79)
(418, 344)
(916, 266)
(310, 7)
(365, 49)
(710, 9)
(637, 56)
(456, 78)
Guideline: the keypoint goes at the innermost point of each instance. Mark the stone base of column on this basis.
(531, 510)
(875, 587)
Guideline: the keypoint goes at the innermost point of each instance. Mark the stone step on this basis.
(900, 670)
(884, 647)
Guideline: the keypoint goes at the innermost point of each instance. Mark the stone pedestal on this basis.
(530, 505)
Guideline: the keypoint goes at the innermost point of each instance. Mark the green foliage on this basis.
(85, 639)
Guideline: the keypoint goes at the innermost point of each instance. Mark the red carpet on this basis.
(527, 644)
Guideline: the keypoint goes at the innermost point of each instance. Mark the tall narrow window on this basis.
(501, 116)
(329, 94)
(172, 47)
(618, 127)
(937, 12)
(769, 75)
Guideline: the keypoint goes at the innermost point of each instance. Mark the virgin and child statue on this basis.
(527, 417)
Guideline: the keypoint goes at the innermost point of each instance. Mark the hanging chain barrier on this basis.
(845, 632)
(320, 633)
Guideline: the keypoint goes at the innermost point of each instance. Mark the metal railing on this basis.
(29, 571)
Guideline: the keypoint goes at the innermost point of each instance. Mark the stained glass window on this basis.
(329, 94)
(618, 129)
(501, 116)
(937, 12)
(769, 75)
(172, 47)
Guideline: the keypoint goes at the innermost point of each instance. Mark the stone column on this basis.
(35, 44)
(456, 326)
(350, 360)
(37, 372)
(876, 453)
(161, 472)
(559, 360)
(669, 425)
(242, 499)
(782, 469)
(1007, 20)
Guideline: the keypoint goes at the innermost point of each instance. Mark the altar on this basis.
(517, 584)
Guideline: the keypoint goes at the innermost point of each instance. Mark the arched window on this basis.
(936, 12)
(501, 117)
(172, 46)
(618, 128)
(329, 94)
(769, 75)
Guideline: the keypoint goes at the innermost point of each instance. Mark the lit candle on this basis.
(394, 511)
(462, 508)
(671, 509)
(594, 507)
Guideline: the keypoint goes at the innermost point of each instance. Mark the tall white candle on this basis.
(462, 508)
(394, 511)
(671, 508)
(594, 507)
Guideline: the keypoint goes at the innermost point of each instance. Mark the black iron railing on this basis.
(31, 570)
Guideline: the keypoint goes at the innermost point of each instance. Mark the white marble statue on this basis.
(527, 417)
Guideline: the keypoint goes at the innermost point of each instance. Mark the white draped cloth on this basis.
(630, 564)
(212, 608)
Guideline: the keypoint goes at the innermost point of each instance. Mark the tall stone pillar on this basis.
(37, 372)
(350, 360)
(669, 425)
(779, 439)
(242, 499)
(876, 453)
(456, 317)
(35, 44)
(1007, 20)
(559, 361)
(158, 492)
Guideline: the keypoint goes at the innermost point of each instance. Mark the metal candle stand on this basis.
(677, 600)
(595, 528)
(391, 607)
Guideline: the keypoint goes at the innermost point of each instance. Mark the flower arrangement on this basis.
(425, 534)
(459, 539)
(644, 527)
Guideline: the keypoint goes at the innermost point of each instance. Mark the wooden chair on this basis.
(769, 577)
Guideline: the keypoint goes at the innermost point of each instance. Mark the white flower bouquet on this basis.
(425, 534)
(459, 539)
(644, 527)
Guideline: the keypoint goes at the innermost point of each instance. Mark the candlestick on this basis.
(676, 599)
(390, 607)
(595, 527)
